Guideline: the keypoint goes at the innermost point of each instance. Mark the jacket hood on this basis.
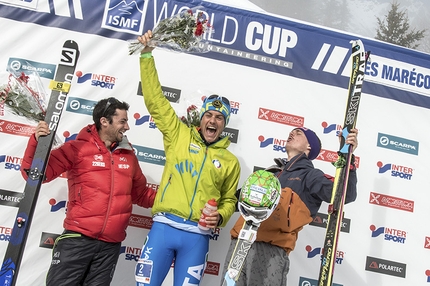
(90, 134)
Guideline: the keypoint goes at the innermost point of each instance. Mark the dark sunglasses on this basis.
(223, 99)
(111, 100)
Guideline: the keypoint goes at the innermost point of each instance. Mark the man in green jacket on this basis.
(198, 168)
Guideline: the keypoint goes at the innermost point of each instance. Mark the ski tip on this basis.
(71, 44)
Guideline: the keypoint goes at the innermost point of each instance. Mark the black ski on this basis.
(60, 87)
(335, 211)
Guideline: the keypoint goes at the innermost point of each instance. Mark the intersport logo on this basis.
(397, 171)
(389, 234)
(319, 251)
(391, 202)
(280, 117)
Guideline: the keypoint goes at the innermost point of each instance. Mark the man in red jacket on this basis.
(104, 180)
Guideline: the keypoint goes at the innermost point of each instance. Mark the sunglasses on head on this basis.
(111, 100)
(223, 99)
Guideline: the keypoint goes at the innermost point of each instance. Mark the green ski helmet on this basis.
(259, 196)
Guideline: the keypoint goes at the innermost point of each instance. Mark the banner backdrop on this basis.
(278, 74)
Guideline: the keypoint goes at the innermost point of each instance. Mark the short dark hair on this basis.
(107, 108)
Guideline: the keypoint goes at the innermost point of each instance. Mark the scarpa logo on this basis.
(80, 105)
(149, 155)
(398, 144)
(27, 67)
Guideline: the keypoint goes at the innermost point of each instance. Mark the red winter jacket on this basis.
(102, 185)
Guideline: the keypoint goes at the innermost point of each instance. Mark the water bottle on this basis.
(209, 208)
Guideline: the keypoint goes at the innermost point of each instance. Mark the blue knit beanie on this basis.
(313, 141)
(217, 103)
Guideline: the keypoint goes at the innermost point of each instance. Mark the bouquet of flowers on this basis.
(24, 96)
(22, 99)
(193, 116)
(182, 32)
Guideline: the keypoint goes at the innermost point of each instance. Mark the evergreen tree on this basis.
(395, 29)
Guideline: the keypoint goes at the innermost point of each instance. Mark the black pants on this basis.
(80, 260)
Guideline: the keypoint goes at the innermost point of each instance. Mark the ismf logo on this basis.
(398, 144)
(278, 144)
(390, 234)
(385, 267)
(140, 221)
(212, 268)
(340, 255)
(427, 243)
(328, 128)
(56, 206)
(124, 17)
(11, 162)
(5, 233)
(143, 119)
(280, 117)
(97, 80)
(391, 202)
(396, 170)
(131, 253)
